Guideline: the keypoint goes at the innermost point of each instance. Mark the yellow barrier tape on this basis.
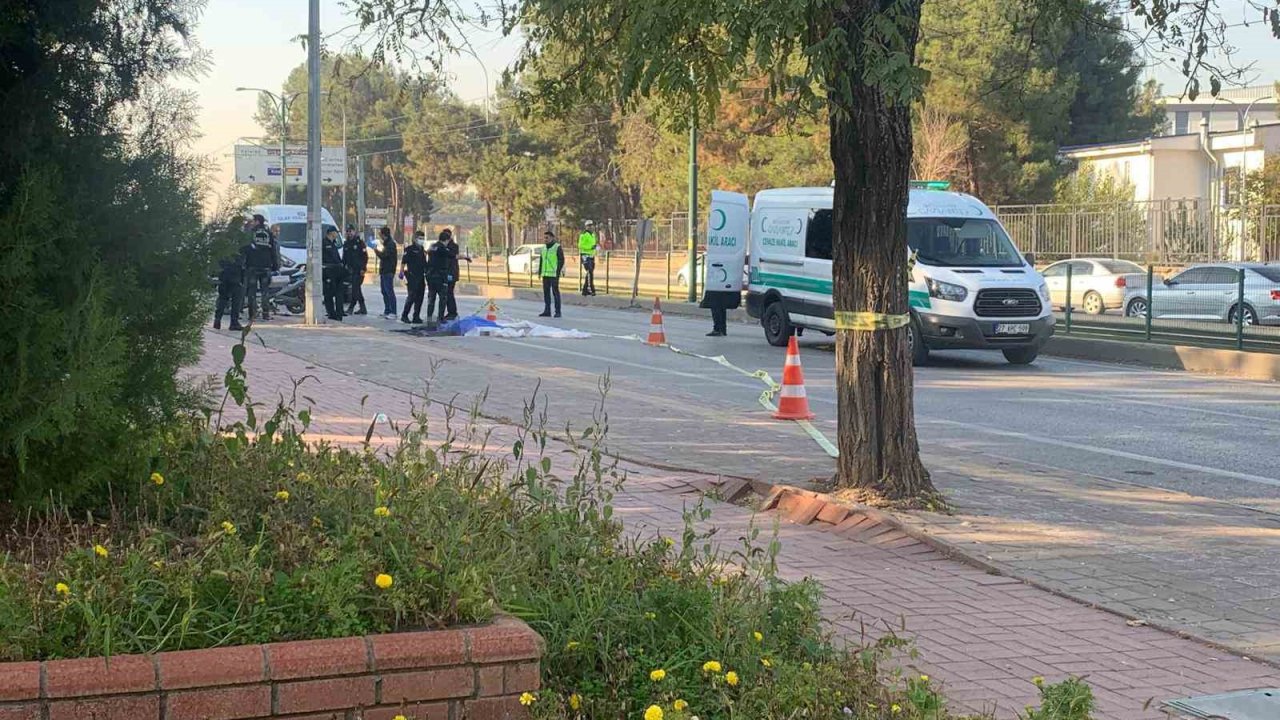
(869, 321)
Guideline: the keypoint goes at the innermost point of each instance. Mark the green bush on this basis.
(252, 535)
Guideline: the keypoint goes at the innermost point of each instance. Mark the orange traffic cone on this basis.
(491, 312)
(793, 404)
(657, 335)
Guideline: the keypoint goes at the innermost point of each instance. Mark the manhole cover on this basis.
(1244, 705)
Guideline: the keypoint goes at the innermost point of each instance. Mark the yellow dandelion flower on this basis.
(228, 527)
(766, 662)
(731, 678)
(384, 581)
(282, 495)
(924, 678)
(571, 644)
(680, 705)
(650, 616)
(759, 636)
(157, 564)
(382, 511)
(658, 675)
(528, 698)
(895, 708)
(62, 589)
(100, 551)
(575, 701)
(304, 477)
(157, 478)
(711, 666)
(669, 542)
(653, 713)
(1038, 680)
(399, 717)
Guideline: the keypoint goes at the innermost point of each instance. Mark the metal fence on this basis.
(1162, 232)
(1210, 306)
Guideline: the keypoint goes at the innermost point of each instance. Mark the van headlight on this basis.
(946, 290)
(1044, 292)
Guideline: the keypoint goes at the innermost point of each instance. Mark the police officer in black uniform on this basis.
(335, 275)
(440, 262)
(355, 255)
(413, 268)
(230, 283)
(261, 259)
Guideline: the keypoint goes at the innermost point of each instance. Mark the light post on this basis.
(284, 100)
(1244, 156)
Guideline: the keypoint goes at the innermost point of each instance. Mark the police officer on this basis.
(355, 255)
(387, 257)
(440, 261)
(587, 244)
(261, 259)
(335, 275)
(230, 283)
(413, 270)
(551, 267)
(455, 254)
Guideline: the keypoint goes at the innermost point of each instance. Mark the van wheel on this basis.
(1021, 355)
(777, 326)
(915, 345)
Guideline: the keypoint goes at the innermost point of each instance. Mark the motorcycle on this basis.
(292, 295)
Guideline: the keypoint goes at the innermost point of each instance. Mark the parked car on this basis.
(525, 259)
(1097, 284)
(682, 275)
(1211, 292)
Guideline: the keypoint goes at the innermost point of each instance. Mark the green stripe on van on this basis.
(918, 299)
(915, 298)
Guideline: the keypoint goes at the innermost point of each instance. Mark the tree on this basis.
(856, 59)
(103, 262)
(939, 146)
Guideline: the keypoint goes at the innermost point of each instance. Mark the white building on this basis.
(1224, 112)
(1196, 165)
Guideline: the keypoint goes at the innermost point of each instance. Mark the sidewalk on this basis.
(982, 636)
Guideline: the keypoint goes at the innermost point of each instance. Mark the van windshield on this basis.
(294, 234)
(961, 242)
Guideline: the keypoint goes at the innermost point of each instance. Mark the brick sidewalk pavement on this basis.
(982, 636)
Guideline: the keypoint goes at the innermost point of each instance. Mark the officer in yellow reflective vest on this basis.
(551, 267)
(587, 252)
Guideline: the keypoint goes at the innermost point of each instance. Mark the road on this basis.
(1150, 492)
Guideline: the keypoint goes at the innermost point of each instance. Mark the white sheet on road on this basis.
(524, 328)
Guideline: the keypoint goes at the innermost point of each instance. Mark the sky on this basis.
(254, 43)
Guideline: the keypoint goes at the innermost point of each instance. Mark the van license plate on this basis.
(1013, 328)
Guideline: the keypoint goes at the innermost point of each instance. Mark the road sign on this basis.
(376, 217)
(408, 226)
(260, 165)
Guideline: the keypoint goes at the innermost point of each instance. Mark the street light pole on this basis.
(693, 192)
(1244, 156)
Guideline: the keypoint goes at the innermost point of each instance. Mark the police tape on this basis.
(766, 397)
(846, 320)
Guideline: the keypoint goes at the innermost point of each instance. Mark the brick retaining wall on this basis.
(462, 674)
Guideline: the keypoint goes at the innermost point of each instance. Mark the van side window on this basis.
(817, 243)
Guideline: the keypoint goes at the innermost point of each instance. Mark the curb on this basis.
(1231, 363)
(806, 507)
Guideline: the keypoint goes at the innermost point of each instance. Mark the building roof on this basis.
(1227, 96)
(1070, 150)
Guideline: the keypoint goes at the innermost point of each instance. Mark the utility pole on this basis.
(360, 218)
(693, 190)
(346, 165)
(315, 268)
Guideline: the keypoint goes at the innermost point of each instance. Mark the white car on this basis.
(1097, 284)
(525, 259)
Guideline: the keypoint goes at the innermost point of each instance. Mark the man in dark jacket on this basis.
(334, 276)
(261, 259)
(230, 283)
(440, 263)
(413, 268)
(355, 255)
(388, 258)
(455, 254)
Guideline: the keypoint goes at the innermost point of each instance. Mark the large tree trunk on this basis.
(871, 152)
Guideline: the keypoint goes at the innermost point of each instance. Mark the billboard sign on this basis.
(260, 165)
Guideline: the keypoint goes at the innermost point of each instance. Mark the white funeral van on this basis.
(289, 223)
(970, 287)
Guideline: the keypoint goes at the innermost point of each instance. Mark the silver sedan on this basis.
(1212, 292)
(1097, 284)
